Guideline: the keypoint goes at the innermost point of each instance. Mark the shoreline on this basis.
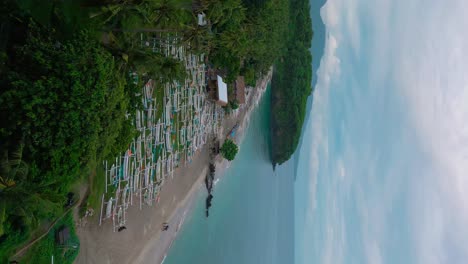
(99, 244)
(187, 205)
(178, 215)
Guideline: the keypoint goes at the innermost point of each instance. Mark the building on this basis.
(239, 89)
(218, 90)
(62, 235)
(202, 19)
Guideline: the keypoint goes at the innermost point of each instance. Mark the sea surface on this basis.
(252, 216)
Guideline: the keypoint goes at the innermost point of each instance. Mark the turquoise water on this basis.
(252, 217)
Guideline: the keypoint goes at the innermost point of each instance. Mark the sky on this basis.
(383, 170)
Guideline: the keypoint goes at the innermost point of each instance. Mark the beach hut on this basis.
(62, 235)
(218, 90)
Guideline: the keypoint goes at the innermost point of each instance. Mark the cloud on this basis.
(329, 68)
(419, 49)
(432, 77)
(329, 64)
(330, 14)
(373, 254)
(317, 130)
(339, 13)
(341, 168)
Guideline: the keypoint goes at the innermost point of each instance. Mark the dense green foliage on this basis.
(229, 149)
(66, 99)
(246, 38)
(66, 96)
(47, 247)
(63, 105)
(291, 84)
(60, 119)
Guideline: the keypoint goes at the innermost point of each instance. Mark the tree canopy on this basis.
(248, 37)
(67, 98)
(229, 149)
(63, 106)
(292, 84)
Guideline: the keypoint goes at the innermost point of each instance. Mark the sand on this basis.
(143, 241)
(99, 244)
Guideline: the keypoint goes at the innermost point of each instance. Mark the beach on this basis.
(143, 241)
(251, 217)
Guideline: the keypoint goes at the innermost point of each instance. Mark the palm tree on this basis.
(169, 14)
(197, 38)
(236, 41)
(13, 172)
(22, 203)
(12, 168)
(222, 13)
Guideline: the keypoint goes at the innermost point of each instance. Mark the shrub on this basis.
(229, 150)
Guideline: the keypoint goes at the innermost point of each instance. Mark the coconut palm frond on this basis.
(6, 183)
(12, 168)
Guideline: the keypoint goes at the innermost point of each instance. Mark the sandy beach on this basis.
(143, 241)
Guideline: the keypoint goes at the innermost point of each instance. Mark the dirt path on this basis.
(24, 249)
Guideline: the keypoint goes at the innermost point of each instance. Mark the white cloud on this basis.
(329, 64)
(352, 25)
(433, 79)
(343, 13)
(329, 68)
(330, 14)
(373, 254)
(340, 168)
(422, 47)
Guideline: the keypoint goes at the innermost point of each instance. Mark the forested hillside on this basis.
(291, 83)
(68, 92)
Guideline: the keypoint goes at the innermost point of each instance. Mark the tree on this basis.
(12, 168)
(169, 13)
(291, 84)
(65, 102)
(234, 104)
(229, 149)
(198, 38)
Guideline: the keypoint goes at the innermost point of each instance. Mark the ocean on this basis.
(252, 215)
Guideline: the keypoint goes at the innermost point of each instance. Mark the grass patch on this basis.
(97, 186)
(47, 247)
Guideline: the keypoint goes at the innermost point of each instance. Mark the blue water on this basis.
(252, 217)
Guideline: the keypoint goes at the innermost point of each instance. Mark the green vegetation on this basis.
(247, 36)
(65, 105)
(231, 105)
(229, 150)
(42, 251)
(62, 107)
(68, 99)
(234, 104)
(291, 84)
